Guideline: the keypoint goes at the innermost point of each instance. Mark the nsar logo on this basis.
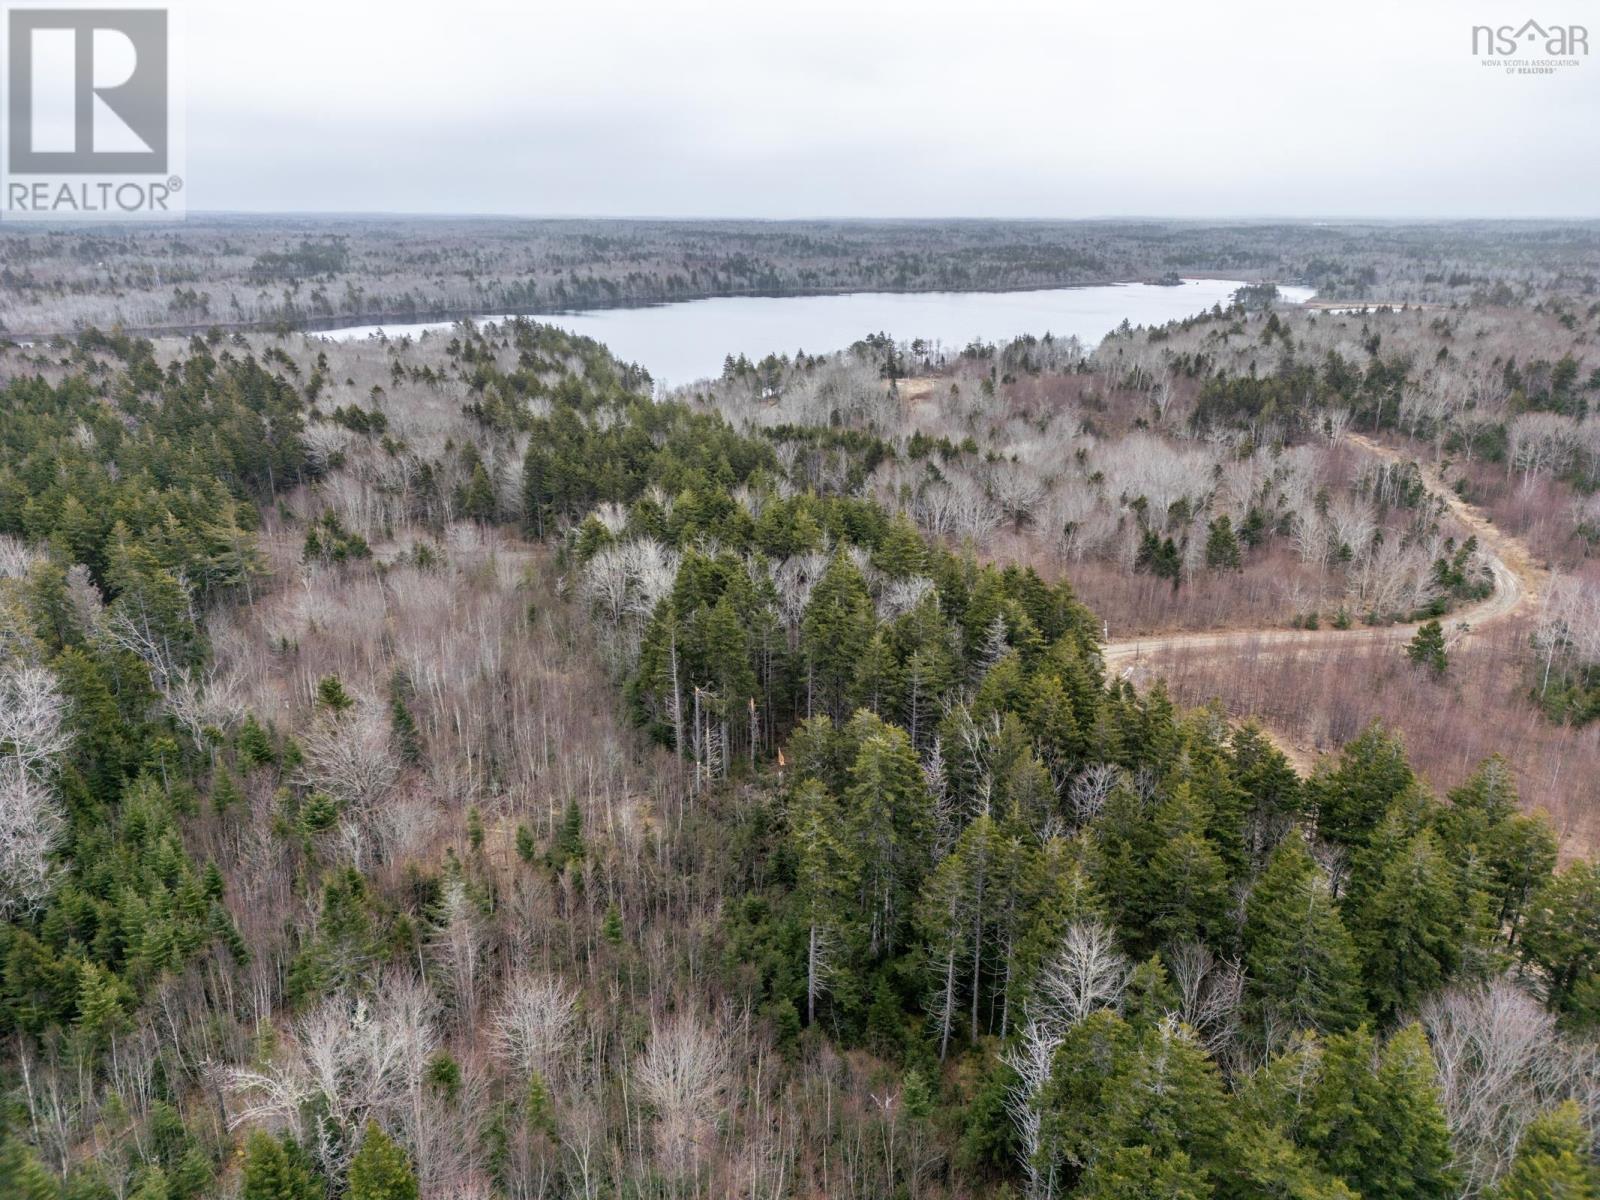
(1531, 48)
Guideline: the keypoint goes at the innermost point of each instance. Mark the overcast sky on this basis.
(884, 108)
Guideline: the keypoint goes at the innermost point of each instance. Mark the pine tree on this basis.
(380, 1169)
(1300, 962)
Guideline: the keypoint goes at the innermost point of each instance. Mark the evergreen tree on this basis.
(332, 696)
(1412, 1124)
(1272, 789)
(569, 836)
(1186, 890)
(1426, 648)
(1410, 932)
(901, 552)
(407, 737)
(1554, 1161)
(479, 502)
(1301, 967)
(825, 878)
(1375, 1119)
(834, 634)
(1562, 933)
(1222, 546)
(1135, 1110)
(22, 1175)
(890, 826)
(380, 1169)
(273, 1172)
(1354, 796)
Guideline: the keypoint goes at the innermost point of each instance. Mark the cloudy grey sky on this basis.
(884, 108)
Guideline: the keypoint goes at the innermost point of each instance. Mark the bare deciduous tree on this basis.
(1501, 1062)
(1209, 992)
(31, 823)
(351, 757)
(1088, 972)
(684, 1074)
(534, 1021)
(33, 736)
(350, 1060)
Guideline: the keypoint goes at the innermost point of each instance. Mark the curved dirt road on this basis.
(1517, 581)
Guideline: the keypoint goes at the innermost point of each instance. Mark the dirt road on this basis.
(1518, 582)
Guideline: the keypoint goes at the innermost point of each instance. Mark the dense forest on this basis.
(316, 272)
(438, 769)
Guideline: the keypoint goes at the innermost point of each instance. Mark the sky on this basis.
(884, 108)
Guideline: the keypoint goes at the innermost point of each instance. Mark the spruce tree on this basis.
(1554, 1161)
(1410, 932)
(407, 737)
(890, 827)
(1411, 1122)
(1186, 893)
(273, 1172)
(1222, 547)
(1562, 933)
(478, 501)
(22, 1175)
(1426, 648)
(1301, 966)
(1375, 1118)
(332, 696)
(1352, 798)
(825, 877)
(380, 1169)
(834, 634)
(569, 836)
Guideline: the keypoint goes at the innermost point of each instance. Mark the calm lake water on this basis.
(682, 343)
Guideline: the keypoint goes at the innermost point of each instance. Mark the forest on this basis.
(438, 768)
(310, 272)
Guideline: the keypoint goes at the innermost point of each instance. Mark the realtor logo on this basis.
(89, 120)
(88, 90)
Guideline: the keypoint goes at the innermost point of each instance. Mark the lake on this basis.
(682, 343)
